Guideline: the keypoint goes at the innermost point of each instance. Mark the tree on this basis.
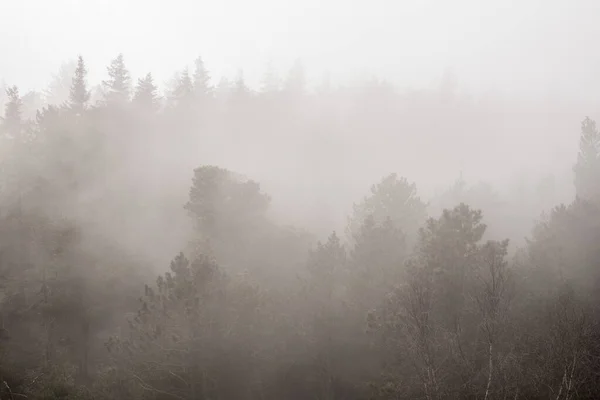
(430, 313)
(146, 94)
(375, 263)
(393, 198)
(202, 88)
(587, 168)
(187, 328)
(225, 209)
(324, 266)
(12, 122)
(270, 83)
(79, 95)
(117, 88)
(492, 298)
(58, 90)
(296, 80)
(183, 93)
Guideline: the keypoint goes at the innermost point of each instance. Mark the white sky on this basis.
(535, 45)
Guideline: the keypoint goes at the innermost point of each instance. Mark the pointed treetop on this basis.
(79, 95)
(118, 87)
(183, 92)
(146, 93)
(13, 111)
(270, 82)
(296, 80)
(587, 168)
(201, 80)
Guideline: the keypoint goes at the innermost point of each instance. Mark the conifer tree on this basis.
(241, 90)
(270, 82)
(13, 112)
(183, 93)
(117, 88)
(201, 81)
(146, 94)
(395, 198)
(296, 80)
(58, 90)
(587, 168)
(79, 95)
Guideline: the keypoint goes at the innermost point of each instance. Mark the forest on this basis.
(144, 256)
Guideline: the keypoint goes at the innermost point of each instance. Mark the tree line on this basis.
(406, 302)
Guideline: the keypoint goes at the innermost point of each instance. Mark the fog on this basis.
(292, 200)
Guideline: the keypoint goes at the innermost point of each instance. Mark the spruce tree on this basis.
(146, 94)
(57, 92)
(118, 87)
(587, 168)
(183, 93)
(201, 81)
(13, 113)
(270, 82)
(296, 80)
(79, 95)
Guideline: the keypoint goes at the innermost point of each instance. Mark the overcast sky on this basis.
(527, 45)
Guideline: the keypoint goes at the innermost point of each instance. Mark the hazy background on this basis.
(530, 47)
(519, 71)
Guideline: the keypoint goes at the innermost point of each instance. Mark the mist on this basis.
(292, 200)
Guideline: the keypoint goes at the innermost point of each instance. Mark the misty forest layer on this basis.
(413, 298)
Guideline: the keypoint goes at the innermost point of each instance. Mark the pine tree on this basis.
(79, 95)
(118, 87)
(587, 168)
(146, 94)
(13, 113)
(201, 81)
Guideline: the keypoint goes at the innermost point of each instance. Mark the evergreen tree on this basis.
(58, 90)
(12, 123)
(183, 94)
(296, 81)
(241, 90)
(79, 95)
(375, 262)
(146, 94)
(587, 168)
(393, 198)
(270, 82)
(117, 88)
(202, 88)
